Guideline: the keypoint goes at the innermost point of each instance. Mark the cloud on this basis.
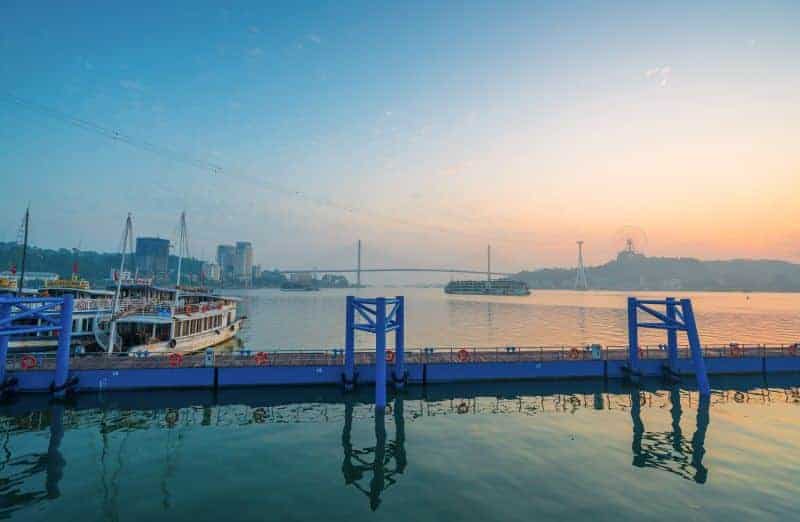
(255, 52)
(659, 74)
(315, 38)
(751, 43)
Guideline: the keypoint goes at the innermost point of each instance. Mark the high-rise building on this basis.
(244, 261)
(152, 256)
(211, 271)
(226, 259)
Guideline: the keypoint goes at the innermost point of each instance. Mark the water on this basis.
(547, 318)
(523, 451)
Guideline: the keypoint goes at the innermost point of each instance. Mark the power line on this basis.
(214, 168)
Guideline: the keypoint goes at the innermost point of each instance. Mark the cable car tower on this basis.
(581, 283)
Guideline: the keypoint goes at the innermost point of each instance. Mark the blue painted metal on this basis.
(694, 344)
(62, 355)
(633, 335)
(672, 335)
(677, 317)
(41, 310)
(5, 313)
(380, 353)
(370, 315)
(399, 374)
(349, 346)
(231, 377)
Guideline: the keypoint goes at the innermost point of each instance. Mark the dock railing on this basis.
(426, 355)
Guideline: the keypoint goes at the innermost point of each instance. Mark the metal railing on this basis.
(429, 355)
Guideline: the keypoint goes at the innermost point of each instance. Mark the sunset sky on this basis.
(425, 129)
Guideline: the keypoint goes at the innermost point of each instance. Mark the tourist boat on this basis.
(150, 319)
(489, 286)
(8, 285)
(293, 286)
(87, 305)
(508, 287)
(165, 320)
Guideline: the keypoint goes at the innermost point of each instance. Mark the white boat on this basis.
(199, 320)
(151, 319)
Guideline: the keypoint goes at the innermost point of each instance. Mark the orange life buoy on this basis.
(463, 355)
(389, 356)
(793, 348)
(261, 358)
(28, 362)
(462, 408)
(574, 353)
(175, 360)
(736, 350)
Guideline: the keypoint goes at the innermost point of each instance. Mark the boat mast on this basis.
(181, 253)
(182, 250)
(26, 223)
(127, 238)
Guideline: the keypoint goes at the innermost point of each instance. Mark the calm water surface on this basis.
(546, 318)
(568, 451)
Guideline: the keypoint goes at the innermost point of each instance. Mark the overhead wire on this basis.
(215, 168)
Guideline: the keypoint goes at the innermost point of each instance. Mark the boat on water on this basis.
(507, 287)
(293, 286)
(300, 282)
(504, 286)
(165, 320)
(87, 305)
(149, 319)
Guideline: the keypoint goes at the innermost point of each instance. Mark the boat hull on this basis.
(192, 343)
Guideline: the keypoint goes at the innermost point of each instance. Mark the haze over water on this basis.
(545, 318)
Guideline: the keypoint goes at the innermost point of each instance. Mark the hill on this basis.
(632, 271)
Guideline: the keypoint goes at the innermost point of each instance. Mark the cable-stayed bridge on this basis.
(358, 269)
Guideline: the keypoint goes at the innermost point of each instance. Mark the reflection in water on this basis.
(383, 475)
(168, 424)
(12, 486)
(667, 450)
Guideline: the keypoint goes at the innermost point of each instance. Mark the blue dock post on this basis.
(697, 349)
(62, 355)
(349, 346)
(5, 316)
(399, 373)
(672, 336)
(633, 335)
(380, 353)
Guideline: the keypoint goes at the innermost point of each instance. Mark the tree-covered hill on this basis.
(638, 272)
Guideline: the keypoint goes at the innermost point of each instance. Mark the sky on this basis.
(426, 129)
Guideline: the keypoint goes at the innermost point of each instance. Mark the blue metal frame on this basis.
(677, 316)
(370, 315)
(14, 309)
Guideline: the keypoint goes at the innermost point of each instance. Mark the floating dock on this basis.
(347, 367)
(93, 373)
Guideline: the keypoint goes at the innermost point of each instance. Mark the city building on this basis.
(244, 261)
(211, 272)
(226, 260)
(152, 256)
(256, 272)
